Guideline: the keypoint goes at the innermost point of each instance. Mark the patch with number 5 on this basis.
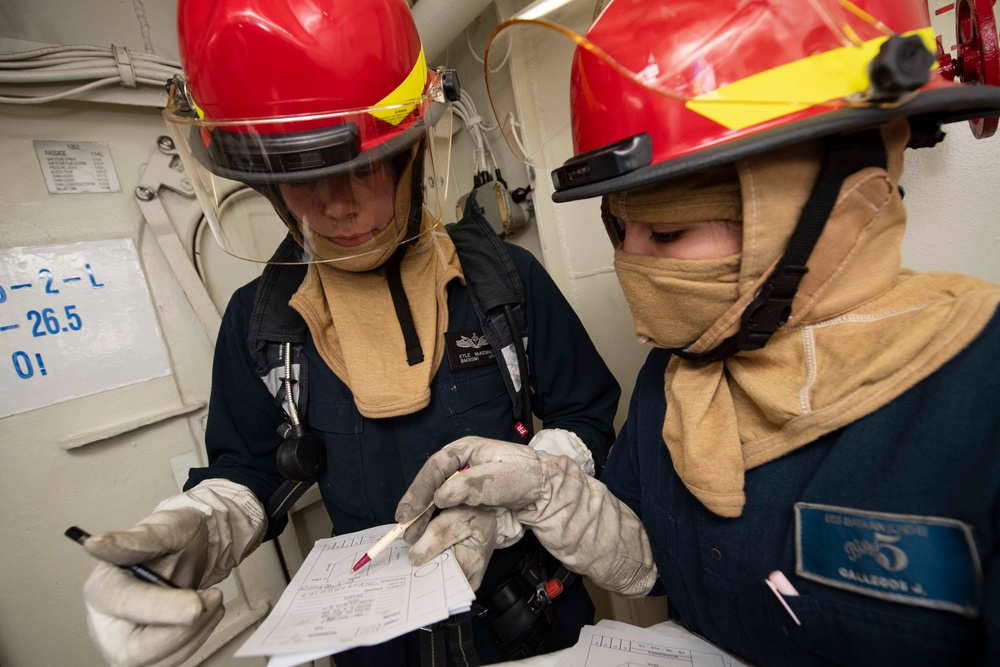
(918, 560)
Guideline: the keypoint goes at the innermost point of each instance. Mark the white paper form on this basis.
(613, 644)
(327, 609)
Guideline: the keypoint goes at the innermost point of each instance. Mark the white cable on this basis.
(126, 70)
(467, 99)
(69, 63)
(89, 60)
(34, 53)
(102, 66)
(58, 96)
(71, 92)
(514, 124)
(78, 51)
(468, 40)
(77, 68)
(77, 75)
(502, 62)
(465, 110)
(33, 64)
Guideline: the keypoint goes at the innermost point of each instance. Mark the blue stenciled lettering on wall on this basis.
(48, 281)
(50, 278)
(23, 366)
(76, 320)
(46, 321)
(93, 281)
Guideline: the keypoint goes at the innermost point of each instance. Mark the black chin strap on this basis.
(844, 155)
(414, 352)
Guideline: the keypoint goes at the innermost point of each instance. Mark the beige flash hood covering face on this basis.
(862, 330)
(349, 310)
(700, 289)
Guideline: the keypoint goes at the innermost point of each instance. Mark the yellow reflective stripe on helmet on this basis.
(777, 92)
(403, 99)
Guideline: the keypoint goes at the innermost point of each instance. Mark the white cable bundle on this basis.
(465, 109)
(511, 120)
(98, 66)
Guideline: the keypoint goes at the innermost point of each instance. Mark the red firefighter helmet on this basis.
(706, 84)
(293, 92)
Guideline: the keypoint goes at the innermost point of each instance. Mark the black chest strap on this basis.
(272, 320)
(498, 298)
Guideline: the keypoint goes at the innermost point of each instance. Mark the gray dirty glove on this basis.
(575, 517)
(194, 539)
(472, 531)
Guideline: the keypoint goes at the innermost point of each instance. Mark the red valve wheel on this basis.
(978, 57)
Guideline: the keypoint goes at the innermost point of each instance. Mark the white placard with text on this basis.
(77, 167)
(75, 320)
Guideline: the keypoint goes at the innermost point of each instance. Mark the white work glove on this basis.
(472, 531)
(475, 532)
(575, 517)
(194, 539)
(558, 442)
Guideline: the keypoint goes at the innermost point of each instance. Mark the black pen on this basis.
(79, 535)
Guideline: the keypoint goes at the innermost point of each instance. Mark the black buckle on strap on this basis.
(770, 308)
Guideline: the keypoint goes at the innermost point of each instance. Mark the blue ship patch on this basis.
(918, 560)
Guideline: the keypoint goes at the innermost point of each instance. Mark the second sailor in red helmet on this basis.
(810, 410)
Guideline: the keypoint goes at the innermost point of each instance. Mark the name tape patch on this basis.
(468, 349)
(917, 560)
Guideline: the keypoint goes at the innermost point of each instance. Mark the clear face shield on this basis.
(700, 74)
(347, 183)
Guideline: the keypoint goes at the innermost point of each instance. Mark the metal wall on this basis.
(103, 460)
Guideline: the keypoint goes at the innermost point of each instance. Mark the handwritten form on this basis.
(613, 644)
(327, 608)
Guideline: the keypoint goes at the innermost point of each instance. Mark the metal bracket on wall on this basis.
(158, 174)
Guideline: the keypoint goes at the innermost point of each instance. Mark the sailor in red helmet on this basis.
(810, 411)
(373, 338)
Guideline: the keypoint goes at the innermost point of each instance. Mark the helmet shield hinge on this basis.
(903, 65)
(179, 96)
(605, 162)
(445, 86)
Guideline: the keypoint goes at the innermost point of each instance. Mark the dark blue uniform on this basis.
(887, 528)
(371, 462)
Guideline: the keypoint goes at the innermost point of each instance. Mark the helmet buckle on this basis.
(770, 308)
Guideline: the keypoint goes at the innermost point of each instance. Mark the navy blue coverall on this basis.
(889, 529)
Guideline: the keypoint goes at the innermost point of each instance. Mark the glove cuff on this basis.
(559, 442)
(235, 520)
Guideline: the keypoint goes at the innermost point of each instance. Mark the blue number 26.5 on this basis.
(46, 322)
